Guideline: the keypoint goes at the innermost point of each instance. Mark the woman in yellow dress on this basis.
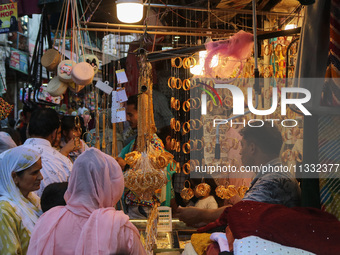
(19, 206)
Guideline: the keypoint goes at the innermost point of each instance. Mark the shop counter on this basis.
(168, 242)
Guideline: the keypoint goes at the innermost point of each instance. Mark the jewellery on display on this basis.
(173, 62)
(203, 189)
(186, 106)
(189, 62)
(186, 127)
(186, 84)
(177, 126)
(186, 147)
(186, 168)
(178, 83)
(187, 193)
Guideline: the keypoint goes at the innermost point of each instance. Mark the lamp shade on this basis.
(129, 11)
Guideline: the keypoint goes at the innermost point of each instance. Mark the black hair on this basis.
(43, 122)
(53, 195)
(26, 109)
(163, 133)
(67, 123)
(267, 137)
(133, 100)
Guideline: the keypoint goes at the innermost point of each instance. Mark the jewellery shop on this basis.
(222, 115)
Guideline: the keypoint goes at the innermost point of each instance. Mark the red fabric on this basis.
(309, 229)
(221, 221)
(132, 70)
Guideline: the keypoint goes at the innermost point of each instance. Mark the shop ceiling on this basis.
(189, 18)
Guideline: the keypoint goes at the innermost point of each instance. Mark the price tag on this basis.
(121, 76)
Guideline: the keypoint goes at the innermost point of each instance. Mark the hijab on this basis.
(15, 160)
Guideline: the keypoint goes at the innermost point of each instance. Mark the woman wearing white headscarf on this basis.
(88, 224)
(19, 206)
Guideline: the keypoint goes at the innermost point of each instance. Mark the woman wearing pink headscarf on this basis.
(88, 224)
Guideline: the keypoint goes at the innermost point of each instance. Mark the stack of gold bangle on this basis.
(196, 144)
(172, 82)
(195, 102)
(175, 104)
(175, 124)
(196, 124)
(186, 84)
(186, 168)
(186, 127)
(186, 106)
(173, 62)
(186, 147)
(189, 62)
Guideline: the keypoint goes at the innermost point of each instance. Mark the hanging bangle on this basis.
(178, 126)
(186, 127)
(173, 62)
(178, 83)
(177, 105)
(186, 106)
(186, 148)
(186, 84)
(186, 168)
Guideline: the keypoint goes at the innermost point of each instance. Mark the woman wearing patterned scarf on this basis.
(19, 206)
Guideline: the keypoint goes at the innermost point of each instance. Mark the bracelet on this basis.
(186, 127)
(193, 103)
(173, 144)
(173, 123)
(186, 84)
(177, 126)
(198, 141)
(186, 148)
(172, 101)
(178, 147)
(173, 62)
(186, 168)
(186, 106)
(177, 105)
(178, 83)
(171, 82)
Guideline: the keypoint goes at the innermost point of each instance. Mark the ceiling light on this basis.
(129, 11)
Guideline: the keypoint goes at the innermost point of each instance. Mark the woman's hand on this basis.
(72, 145)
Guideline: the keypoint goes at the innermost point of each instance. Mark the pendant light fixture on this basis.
(129, 11)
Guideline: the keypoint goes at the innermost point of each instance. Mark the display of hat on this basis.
(82, 73)
(74, 87)
(56, 87)
(64, 70)
(51, 59)
(92, 60)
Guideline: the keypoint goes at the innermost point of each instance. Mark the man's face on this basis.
(246, 153)
(132, 115)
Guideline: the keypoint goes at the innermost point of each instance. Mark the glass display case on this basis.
(174, 241)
